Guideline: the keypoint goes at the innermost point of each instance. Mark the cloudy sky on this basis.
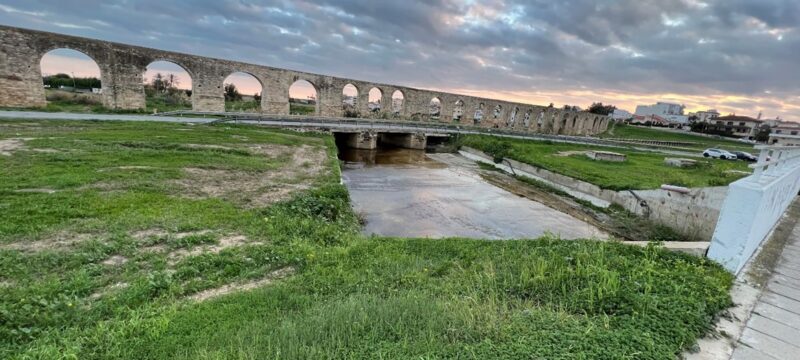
(738, 56)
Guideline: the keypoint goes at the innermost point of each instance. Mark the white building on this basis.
(669, 111)
(620, 114)
(706, 116)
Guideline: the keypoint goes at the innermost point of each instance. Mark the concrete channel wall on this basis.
(693, 214)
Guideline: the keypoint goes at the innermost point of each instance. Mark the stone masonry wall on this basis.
(122, 68)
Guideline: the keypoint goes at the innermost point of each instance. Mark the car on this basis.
(746, 156)
(719, 154)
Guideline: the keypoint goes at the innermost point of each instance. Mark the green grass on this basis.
(641, 170)
(701, 142)
(351, 296)
(301, 109)
(243, 106)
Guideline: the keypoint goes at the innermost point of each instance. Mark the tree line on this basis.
(58, 80)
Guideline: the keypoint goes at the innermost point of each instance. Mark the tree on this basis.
(600, 109)
(231, 93)
(257, 97)
(763, 134)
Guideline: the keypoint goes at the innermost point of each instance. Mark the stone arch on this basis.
(478, 116)
(512, 119)
(178, 89)
(563, 123)
(350, 100)
(526, 121)
(458, 110)
(303, 98)
(594, 124)
(375, 97)
(58, 67)
(398, 102)
(540, 120)
(250, 91)
(435, 108)
(573, 128)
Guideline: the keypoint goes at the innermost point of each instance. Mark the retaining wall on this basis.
(693, 214)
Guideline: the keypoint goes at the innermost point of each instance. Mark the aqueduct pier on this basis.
(122, 70)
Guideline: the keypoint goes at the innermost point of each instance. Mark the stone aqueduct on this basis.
(122, 68)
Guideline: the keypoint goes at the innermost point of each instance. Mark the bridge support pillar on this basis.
(365, 140)
(417, 141)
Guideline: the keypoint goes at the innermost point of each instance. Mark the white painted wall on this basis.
(754, 206)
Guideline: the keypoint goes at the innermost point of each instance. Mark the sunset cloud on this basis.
(733, 55)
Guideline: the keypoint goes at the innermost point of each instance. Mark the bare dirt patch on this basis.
(209, 146)
(46, 151)
(224, 243)
(127, 167)
(115, 260)
(108, 289)
(59, 241)
(36, 190)
(570, 153)
(230, 288)
(148, 233)
(258, 188)
(9, 146)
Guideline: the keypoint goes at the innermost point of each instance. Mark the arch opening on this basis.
(242, 92)
(478, 116)
(540, 119)
(167, 87)
(374, 100)
(397, 102)
(303, 98)
(526, 121)
(458, 111)
(497, 111)
(435, 108)
(350, 101)
(513, 118)
(71, 79)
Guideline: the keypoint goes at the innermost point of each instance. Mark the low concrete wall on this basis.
(693, 214)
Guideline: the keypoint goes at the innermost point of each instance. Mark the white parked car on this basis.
(719, 154)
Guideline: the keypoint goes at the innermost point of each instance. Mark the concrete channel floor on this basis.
(773, 330)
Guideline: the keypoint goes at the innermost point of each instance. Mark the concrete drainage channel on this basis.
(668, 209)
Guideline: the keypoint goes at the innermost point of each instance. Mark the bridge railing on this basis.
(450, 128)
(754, 206)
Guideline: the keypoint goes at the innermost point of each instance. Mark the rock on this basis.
(680, 162)
(606, 156)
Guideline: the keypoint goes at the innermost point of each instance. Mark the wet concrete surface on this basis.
(407, 193)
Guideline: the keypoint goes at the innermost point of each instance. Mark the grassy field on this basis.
(301, 109)
(243, 106)
(119, 240)
(701, 142)
(641, 170)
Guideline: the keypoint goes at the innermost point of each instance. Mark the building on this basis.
(620, 115)
(739, 126)
(669, 111)
(784, 140)
(706, 116)
(785, 128)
